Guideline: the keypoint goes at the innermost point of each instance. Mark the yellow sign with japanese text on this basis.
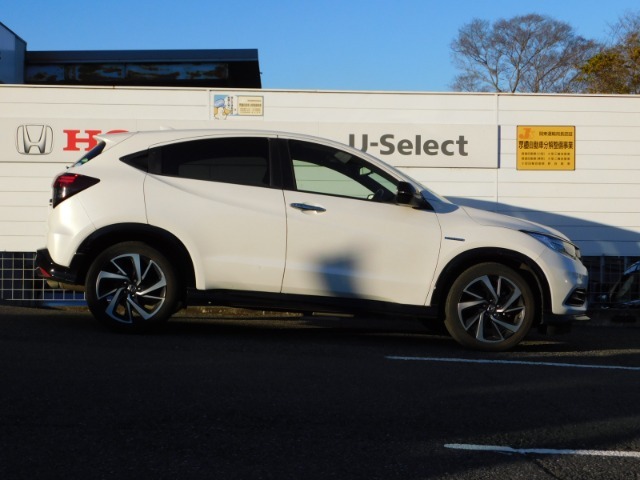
(546, 148)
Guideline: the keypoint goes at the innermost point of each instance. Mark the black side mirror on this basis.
(406, 193)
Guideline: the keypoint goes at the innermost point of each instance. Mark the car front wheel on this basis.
(131, 286)
(489, 307)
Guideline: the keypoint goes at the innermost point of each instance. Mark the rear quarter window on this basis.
(91, 154)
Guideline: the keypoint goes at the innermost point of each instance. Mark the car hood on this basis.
(492, 219)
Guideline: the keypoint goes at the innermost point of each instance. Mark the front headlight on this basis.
(558, 244)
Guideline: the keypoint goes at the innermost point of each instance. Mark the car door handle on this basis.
(305, 207)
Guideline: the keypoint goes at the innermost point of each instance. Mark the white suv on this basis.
(150, 221)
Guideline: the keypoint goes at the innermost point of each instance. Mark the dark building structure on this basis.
(234, 68)
(150, 68)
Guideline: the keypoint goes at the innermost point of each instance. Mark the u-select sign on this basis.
(388, 145)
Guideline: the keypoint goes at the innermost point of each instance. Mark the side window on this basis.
(241, 160)
(326, 170)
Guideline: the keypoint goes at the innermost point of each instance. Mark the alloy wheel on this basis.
(130, 287)
(491, 308)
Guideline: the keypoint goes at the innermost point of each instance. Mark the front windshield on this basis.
(428, 194)
(627, 290)
(431, 196)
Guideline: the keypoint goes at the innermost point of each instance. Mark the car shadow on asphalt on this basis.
(396, 333)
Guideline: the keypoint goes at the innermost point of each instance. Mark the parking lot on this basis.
(272, 397)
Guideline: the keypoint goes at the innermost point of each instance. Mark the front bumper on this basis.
(551, 319)
(568, 281)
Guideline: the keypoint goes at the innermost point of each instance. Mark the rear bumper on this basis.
(50, 270)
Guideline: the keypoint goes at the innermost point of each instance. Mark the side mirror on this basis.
(406, 193)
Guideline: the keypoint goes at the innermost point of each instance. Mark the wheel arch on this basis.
(163, 241)
(521, 263)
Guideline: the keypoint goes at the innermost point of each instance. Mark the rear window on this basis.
(91, 154)
(243, 160)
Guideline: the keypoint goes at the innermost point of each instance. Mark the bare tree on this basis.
(529, 53)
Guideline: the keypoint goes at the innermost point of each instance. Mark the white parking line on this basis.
(541, 451)
(511, 362)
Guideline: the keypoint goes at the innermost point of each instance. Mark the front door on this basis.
(347, 237)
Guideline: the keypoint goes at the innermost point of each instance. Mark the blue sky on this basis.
(397, 45)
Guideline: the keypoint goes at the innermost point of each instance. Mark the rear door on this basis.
(217, 196)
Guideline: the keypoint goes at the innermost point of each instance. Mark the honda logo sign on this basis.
(34, 139)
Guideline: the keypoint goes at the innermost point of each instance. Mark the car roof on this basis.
(156, 137)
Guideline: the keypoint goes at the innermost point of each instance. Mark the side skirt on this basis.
(304, 303)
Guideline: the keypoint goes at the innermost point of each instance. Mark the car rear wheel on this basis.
(489, 307)
(132, 286)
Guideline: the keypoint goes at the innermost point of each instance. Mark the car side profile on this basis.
(149, 222)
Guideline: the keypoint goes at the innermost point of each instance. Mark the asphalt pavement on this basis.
(263, 396)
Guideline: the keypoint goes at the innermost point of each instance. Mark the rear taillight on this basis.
(68, 184)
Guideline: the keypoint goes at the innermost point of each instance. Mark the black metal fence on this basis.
(20, 284)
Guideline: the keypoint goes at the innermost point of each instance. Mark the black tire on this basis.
(490, 307)
(132, 287)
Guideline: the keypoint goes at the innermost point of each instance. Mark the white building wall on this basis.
(596, 205)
